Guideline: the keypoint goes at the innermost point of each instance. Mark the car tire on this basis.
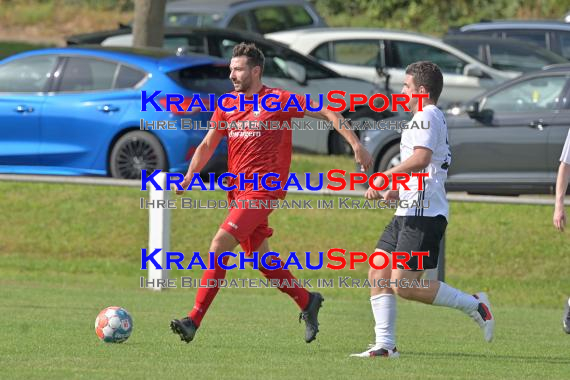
(135, 151)
(338, 145)
(390, 158)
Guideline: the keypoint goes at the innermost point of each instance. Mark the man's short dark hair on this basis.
(254, 55)
(427, 74)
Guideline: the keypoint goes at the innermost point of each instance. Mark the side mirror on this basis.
(485, 116)
(473, 70)
(473, 110)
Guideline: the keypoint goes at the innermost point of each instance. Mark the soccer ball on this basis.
(114, 325)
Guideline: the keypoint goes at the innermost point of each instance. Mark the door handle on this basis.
(24, 109)
(538, 124)
(108, 108)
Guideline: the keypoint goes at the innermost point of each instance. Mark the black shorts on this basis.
(414, 233)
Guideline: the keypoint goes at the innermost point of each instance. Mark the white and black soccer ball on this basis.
(114, 325)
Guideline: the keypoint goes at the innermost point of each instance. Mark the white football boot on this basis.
(378, 351)
(484, 316)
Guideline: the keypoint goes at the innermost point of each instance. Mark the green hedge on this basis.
(434, 16)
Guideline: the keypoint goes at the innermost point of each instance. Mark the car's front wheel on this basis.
(338, 145)
(135, 151)
(390, 158)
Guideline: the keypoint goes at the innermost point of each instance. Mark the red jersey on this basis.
(259, 150)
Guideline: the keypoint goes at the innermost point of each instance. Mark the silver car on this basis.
(359, 52)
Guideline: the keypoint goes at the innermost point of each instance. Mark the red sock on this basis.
(206, 295)
(299, 295)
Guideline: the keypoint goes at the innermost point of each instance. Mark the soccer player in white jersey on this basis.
(422, 149)
(559, 217)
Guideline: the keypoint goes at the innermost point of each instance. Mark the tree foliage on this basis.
(434, 16)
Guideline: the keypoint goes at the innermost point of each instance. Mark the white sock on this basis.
(384, 310)
(451, 297)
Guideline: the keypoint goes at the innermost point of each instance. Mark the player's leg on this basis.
(308, 302)
(566, 317)
(285, 278)
(382, 299)
(433, 292)
(186, 327)
(421, 234)
(222, 242)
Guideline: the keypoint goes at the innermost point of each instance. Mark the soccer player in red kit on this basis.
(262, 151)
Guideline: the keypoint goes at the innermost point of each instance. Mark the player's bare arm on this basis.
(361, 155)
(201, 157)
(559, 217)
(418, 161)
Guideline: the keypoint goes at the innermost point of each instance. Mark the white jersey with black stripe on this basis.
(565, 156)
(427, 129)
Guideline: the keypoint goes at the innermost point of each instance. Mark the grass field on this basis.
(68, 251)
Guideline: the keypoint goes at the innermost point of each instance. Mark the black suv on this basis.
(551, 35)
(505, 54)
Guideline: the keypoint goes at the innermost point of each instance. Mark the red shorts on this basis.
(250, 226)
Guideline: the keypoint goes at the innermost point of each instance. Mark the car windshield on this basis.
(275, 68)
(193, 19)
(517, 58)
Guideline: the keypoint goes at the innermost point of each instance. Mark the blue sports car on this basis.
(77, 111)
